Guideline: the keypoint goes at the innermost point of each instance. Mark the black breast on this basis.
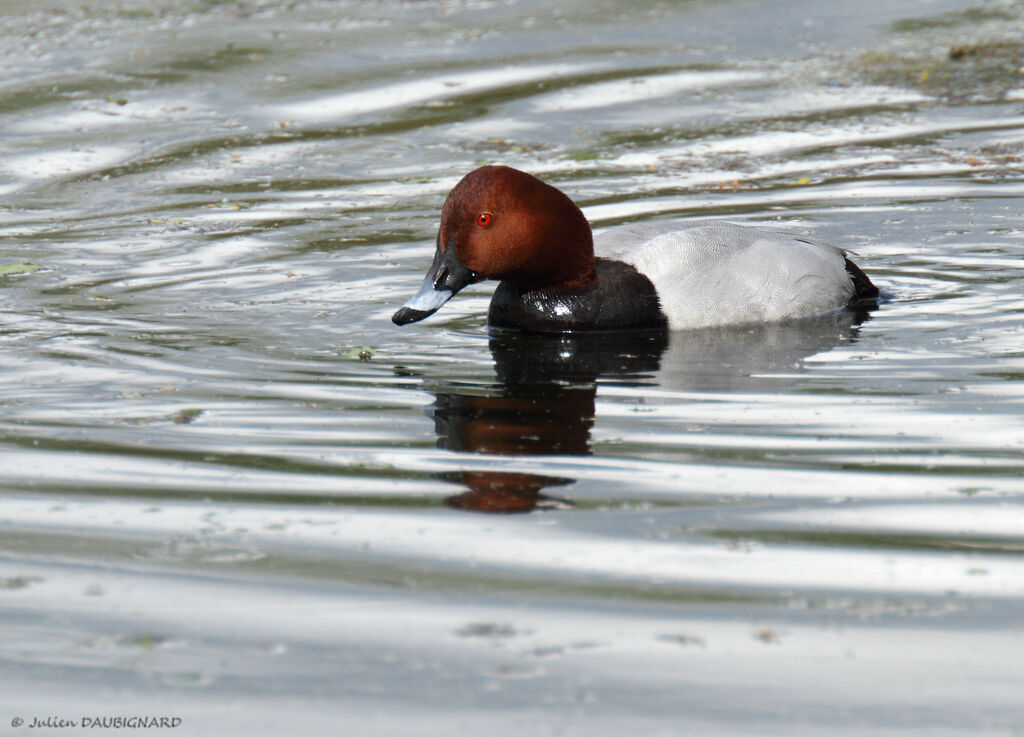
(621, 298)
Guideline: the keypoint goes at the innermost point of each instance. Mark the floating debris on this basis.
(12, 269)
(363, 353)
(185, 416)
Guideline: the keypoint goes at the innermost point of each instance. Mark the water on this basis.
(235, 494)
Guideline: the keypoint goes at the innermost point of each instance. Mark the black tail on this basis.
(863, 288)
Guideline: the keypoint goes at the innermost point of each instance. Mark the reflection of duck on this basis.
(543, 404)
(543, 400)
(501, 223)
(743, 358)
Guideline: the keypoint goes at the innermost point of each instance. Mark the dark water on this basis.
(234, 493)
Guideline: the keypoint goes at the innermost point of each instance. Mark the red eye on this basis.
(484, 219)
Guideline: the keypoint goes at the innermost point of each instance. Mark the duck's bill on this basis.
(426, 302)
(446, 276)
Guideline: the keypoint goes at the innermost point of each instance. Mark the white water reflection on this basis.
(641, 89)
(559, 552)
(612, 670)
(62, 162)
(377, 98)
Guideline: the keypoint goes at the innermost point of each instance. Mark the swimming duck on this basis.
(502, 223)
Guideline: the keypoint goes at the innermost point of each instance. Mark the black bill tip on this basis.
(406, 315)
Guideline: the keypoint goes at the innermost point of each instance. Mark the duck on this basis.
(556, 277)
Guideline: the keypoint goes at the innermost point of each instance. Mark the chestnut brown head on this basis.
(502, 223)
(510, 225)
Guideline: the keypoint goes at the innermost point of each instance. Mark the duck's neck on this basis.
(564, 260)
(580, 272)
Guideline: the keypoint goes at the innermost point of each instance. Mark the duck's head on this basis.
(502, 223)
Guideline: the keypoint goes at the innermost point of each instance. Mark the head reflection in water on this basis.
(543, 401)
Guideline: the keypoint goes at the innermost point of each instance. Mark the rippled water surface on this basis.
(234, 493)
